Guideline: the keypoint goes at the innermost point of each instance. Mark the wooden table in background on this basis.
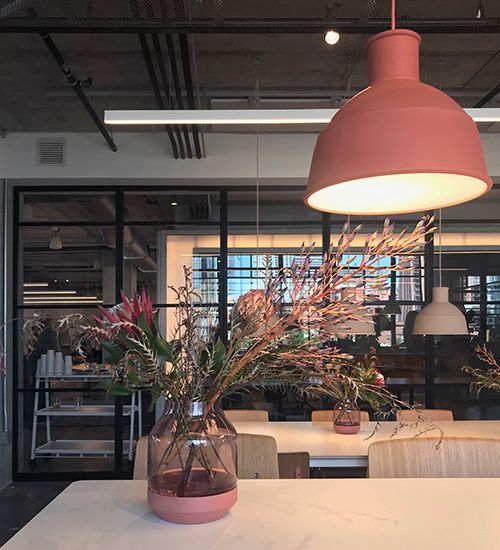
(332, 450)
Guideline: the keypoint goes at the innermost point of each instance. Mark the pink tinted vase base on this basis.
(192, 510)
(347, 430)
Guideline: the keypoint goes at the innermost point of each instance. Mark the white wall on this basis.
(145, 156)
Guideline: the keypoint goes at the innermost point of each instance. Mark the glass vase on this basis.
(346, 417)
(192, 464)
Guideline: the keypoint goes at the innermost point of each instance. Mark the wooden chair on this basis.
(294, 465)
(246, 415)
(327, 416)
(438, 415)
(425, 457)
(141, 459)
(284, 465)
(257, 457)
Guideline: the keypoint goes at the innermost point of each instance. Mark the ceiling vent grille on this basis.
(51, 152)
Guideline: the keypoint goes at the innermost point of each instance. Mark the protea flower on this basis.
(255, 309)
(127, 315)
(378, 378)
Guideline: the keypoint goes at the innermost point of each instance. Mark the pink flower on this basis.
(378, 379)
(127, 313)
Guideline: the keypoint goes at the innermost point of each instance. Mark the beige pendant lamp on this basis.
(363, 324)
(399, 145)
(440, 317)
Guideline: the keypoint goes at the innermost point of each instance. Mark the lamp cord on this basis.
(440, 252)
(257, 173)
(393, 15)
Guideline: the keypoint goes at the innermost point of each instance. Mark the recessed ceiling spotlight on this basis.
(173, 203)
(332, 37)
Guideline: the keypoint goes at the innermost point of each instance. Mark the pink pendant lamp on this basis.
(399, 145)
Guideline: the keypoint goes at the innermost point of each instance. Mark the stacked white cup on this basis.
(59, 364)
(42, 371)
(68, 365)
(51, 363)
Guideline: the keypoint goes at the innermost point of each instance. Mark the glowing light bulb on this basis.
(332, 37)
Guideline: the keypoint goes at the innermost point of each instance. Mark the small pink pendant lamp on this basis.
(399, 145)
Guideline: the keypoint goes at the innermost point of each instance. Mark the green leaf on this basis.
(133, 378)
(144, 326)
(113, 353)
(219, 354)
(113, 387)
(119, 389)
(104, 385)
(155, 395)
(163, 350)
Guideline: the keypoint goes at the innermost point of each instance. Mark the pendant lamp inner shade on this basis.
(399, 145)
(440, 317)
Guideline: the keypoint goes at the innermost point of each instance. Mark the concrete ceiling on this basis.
(292, 69)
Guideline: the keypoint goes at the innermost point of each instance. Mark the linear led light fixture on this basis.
(250, 116)
(60, 298)
(62, 303)
(51, 292)
(35, 284)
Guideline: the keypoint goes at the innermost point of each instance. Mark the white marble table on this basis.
(306, 514)
(329, 449)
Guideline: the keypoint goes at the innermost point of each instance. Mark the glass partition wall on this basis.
(78, 248)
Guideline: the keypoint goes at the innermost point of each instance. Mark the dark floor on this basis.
(21, 501)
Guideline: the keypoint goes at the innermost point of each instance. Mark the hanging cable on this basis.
(257, 173)
(440, 252)
(393, 15)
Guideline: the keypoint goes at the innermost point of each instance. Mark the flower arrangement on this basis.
(280, 336)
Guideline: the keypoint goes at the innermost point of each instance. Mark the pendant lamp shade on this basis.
(440, 317)
(358, 327)
(362, 325)
(392, 308)
(399, 145)
(55, 242)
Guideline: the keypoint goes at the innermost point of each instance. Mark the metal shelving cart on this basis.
(60, 448)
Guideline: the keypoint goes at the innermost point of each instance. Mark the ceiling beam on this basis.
(231, 25)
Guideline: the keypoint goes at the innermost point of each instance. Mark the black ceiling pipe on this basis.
(481, 70)
(488, 97)
(177, 88)
(159, 100)
(166, 88)
(75, 86)
(188, 81)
